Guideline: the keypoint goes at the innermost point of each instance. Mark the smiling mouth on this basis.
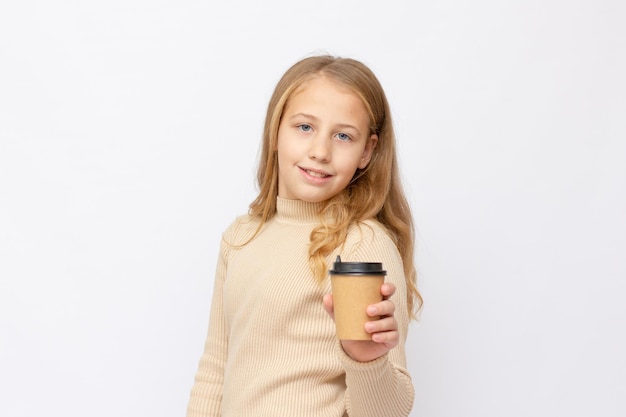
(315, 174)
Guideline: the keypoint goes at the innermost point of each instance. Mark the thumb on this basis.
(328, 305)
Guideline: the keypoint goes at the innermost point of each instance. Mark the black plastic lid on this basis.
(357, 268)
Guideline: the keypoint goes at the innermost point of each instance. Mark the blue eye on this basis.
(343, 137)
(304, 127)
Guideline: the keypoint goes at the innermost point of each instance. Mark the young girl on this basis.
(329, 186)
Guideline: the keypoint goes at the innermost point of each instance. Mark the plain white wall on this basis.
(129, 133)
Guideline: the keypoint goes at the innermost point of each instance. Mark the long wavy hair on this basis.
(375, 192)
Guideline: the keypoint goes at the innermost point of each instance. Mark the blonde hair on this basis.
(374, 193)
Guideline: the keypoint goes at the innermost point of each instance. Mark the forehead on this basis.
(326, 96)
(324, 82)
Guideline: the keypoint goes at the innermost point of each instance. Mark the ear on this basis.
(368, 151)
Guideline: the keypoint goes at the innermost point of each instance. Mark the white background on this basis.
(129, 132)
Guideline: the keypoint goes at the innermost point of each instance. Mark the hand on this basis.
(384, 331)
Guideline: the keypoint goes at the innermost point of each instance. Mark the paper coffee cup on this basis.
(355, 286)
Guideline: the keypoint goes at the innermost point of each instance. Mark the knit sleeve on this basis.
(206, 393)
(382, 387)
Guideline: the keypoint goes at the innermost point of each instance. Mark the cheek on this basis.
(285, 155)
(350, 161)
(280, 137)
(289, 147)
(347, 174)
(282, 151)
(280, 145)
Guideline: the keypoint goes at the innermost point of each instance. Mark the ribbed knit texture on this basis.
(271, 348)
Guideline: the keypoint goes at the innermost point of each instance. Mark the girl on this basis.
(329, 185)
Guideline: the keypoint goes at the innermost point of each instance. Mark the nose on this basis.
(320, 148)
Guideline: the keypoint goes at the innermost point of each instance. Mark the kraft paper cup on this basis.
(355, 286)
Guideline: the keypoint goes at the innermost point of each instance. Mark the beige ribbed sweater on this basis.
(271, 348)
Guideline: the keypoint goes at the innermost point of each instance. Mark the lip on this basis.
(315, 176)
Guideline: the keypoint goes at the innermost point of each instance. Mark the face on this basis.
(323, 137)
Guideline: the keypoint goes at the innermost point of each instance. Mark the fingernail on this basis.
(371, 310)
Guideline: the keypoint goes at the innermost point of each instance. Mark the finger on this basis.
(386, 324)
(327, 301)
(389, 339)
(387, 289)
(383, 308)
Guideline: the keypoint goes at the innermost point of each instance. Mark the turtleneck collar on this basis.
(296, 211)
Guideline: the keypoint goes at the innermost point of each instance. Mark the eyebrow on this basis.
(310, 116)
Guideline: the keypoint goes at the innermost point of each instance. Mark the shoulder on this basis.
(241, 230)
(368, 232)
(369, 239)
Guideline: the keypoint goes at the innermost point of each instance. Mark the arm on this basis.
(206, 393)
(376, 377)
